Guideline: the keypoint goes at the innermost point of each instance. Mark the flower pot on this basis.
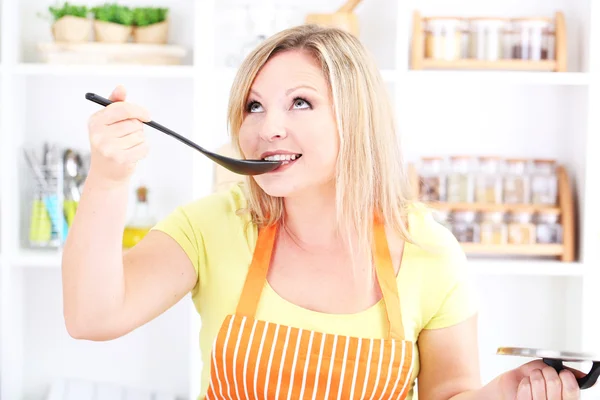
(154, 34)
(71, 29)
(110, 32)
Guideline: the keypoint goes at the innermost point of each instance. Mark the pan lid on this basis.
(548, 354)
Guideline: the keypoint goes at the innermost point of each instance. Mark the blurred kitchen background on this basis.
(496, 104)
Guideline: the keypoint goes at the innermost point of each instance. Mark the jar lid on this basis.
(432, 158)
(549, 211)
(444, 21)
(544, 161)
(534, 21)
(493, 215)
(461, 157)
(495, 21)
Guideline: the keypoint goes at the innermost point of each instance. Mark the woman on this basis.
(296, 299)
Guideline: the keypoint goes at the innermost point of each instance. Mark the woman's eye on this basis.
(301, 103)
(254, 107)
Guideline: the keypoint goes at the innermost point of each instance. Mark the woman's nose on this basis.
(273, 127)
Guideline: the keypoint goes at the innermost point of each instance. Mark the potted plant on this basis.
(150, 25)
(70, 23)
(112, 23)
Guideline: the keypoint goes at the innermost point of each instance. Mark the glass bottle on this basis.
(548, 229)
(489, 181)
(432, 185)
(460, 180)
(521, 229)
(493, 228)
(544, 183)
(465, 227)
(516, 181)
(443, 38)
(141, 222)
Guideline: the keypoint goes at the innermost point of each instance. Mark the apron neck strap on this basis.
(257, 275)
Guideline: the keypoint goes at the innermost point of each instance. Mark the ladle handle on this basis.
(105, 102)
(584, 382)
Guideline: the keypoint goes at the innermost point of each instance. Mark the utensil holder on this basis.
(53, 198)
(47, 224)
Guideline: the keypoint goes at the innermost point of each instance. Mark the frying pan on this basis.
(555, 359)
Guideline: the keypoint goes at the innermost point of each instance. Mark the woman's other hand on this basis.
(538, 381)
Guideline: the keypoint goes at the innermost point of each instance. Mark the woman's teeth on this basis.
(283, 157)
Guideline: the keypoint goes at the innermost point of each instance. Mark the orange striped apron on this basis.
(255, 359)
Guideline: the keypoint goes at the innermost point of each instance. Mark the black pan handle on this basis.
(584, 382)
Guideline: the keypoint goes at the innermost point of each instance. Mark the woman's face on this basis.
(289, 115)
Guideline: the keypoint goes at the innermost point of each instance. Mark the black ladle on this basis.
(242, 167)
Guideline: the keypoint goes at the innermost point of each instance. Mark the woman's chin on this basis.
(276, 187)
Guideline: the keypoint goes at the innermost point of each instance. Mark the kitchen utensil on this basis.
(48, 193)
(242, 167)
(555, 359)
(72, 165)
(344, 18)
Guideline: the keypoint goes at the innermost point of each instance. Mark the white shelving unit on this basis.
(524, 303)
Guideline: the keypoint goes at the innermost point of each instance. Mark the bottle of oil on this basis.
(141, 222)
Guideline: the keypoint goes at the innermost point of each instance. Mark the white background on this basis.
(523, 303)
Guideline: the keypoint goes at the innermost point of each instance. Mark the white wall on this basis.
(439, 114)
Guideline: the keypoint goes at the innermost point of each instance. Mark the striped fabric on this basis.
(255, 359)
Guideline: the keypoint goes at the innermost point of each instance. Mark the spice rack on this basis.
(502, 211)
(489, 43)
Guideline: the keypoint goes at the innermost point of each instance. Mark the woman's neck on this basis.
(310, 220)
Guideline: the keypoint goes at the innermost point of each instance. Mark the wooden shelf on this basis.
(419, 59)
(550, 250)
(514, 65)
(564, 251)
(483, 207)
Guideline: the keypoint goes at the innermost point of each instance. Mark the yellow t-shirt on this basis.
(434, 286)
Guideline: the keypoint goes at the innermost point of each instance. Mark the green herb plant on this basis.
(144, 16)
(68, 9)
(110, 12)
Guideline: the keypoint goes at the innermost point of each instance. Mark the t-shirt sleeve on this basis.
(458, 301)
(178, 225)
(448, 294)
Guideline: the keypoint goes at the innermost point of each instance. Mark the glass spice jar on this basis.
(544, 183)
(443, 38)
(533, 39)
(493, 228)
(516, 181)
(465, 227)
(548, 229)
(488, 184)
(460, 180)
(432, 182)
(486, 38)
(509, 38)
(521, 229)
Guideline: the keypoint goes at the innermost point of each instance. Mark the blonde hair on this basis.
(370, 176)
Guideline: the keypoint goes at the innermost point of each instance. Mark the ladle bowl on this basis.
(237, 166)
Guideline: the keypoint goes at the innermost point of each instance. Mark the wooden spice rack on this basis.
(558, 64)
(564, 251)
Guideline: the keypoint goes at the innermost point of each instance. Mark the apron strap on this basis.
(257, 273)
(261, 260)
(387, 282)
